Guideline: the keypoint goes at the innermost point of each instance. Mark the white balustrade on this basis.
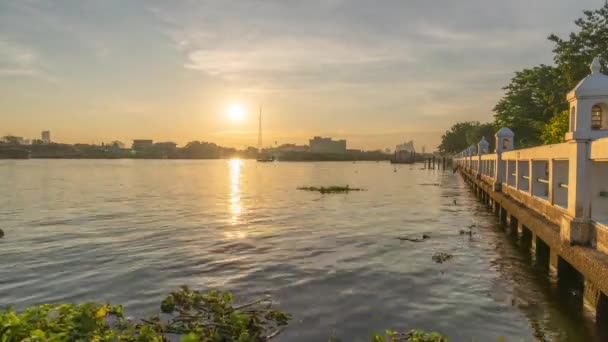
(571, 177)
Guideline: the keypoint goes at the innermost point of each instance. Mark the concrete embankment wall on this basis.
(581, 269)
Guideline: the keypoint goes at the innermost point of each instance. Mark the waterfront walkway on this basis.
(556, 195)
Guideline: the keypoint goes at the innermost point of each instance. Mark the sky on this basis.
(374, 72)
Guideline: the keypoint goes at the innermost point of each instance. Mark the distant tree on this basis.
(487, 130)
(12, 140)
(205, 150)
(464, 134)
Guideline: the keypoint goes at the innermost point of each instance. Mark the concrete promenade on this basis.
(556, 196)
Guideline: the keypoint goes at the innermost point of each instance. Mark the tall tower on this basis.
(260, 131)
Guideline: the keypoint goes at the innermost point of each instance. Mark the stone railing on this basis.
(567, 183)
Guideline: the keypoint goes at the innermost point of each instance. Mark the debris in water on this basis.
(330, 189)
(468, 232)
(1, 233)
(441, 257)
(405, 238)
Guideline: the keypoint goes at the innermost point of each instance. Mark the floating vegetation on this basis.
(468, 232)
(410, 336)
(193, 317)
(187, 316)
(430, 184)
(335, 189)
(603, 193)
(416, 239)
(441, 257)
(1, 233)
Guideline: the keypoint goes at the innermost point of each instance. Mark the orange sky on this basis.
(376, 75)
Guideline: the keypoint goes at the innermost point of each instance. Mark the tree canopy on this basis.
(464, 134)
(534, 105)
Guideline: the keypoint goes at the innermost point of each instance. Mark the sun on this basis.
(236, 112)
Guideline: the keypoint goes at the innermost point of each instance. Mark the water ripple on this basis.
(130, 231)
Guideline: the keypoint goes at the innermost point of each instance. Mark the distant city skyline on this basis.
(375, 74)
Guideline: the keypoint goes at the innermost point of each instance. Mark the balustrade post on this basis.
(472, 154)
(504, 142)
(516, 173)
(551, 179)
(576, 227)
(482, 148)
(576, 224)
(531, 177)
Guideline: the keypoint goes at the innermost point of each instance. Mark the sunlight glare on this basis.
(236, 112)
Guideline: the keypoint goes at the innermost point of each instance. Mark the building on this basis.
(45, 136)
(142, 144)
(168, 146)
(327, 145)
(292, 148)
(406, 147)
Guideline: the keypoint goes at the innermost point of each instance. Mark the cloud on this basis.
(23, 61)
(274, 46)
(354, 64)
(279, 58)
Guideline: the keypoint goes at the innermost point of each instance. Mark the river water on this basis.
(129, 231)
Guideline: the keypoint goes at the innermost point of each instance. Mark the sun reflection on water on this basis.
(235, 197)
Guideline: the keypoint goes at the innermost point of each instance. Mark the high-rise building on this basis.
(142, 144)
(327, 145)
(46, 137)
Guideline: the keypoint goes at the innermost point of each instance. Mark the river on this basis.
(129, 231)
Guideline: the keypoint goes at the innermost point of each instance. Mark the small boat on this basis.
(265, 159)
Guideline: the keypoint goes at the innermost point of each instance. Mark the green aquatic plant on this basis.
(189, 315)
(334, 189)
(410, 336)
(185, 315)
(441, 257)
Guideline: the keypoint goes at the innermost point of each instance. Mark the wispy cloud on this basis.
(345, 65)
(20, 60)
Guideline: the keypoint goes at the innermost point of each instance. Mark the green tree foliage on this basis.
(478, 131)
(188, 315)
(534, 105)
(532, 98)
(555, 131)
(410, 336)
(205, 150)
(464, 134)
(574, 54)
